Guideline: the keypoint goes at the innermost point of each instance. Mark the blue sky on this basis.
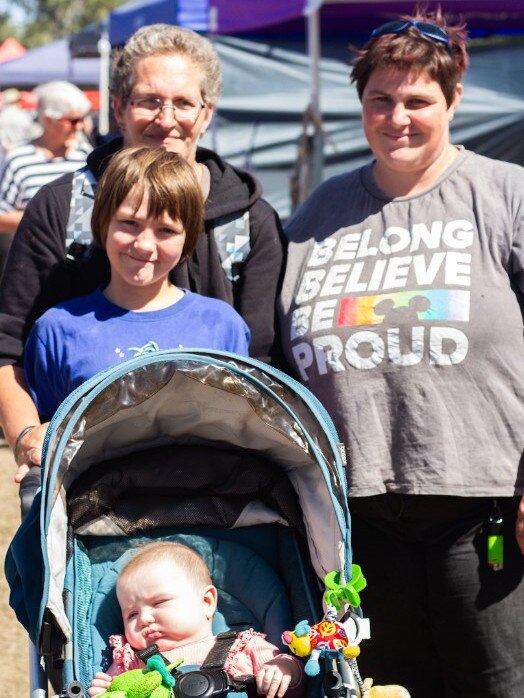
(15, 12)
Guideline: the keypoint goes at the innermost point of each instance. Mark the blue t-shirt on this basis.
(75, 340)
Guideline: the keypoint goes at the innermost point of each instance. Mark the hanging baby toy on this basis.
(330, 638)
(337, 641)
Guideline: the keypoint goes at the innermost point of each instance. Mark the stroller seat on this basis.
(250, 594)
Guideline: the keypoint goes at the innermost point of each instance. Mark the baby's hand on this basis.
(99, 684)
(275, 677)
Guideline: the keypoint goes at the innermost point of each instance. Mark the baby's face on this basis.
(161, 605)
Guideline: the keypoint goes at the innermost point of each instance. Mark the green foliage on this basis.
(52, 19)
(7, 28)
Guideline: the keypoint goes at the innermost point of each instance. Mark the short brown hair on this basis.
(184, 557)
(169, 180)
(410, 50)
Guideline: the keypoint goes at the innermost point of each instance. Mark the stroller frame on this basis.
(144, 401)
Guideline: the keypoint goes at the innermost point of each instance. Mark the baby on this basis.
(167, 598)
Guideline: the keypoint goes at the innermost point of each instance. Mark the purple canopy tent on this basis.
(209, 16)
(357, 16)
(233, 17)
(276, 16)
(49, 62)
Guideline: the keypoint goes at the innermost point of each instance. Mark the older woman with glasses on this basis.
(402, 310)
(60, 147)
(165, 84)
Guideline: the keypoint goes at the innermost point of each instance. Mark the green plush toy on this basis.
(156, 681)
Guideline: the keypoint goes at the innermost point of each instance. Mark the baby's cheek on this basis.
(135, 639)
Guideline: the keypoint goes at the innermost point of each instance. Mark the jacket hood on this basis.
(232, 190)
(98, 159)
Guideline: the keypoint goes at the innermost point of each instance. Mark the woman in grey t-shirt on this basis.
(401, 310)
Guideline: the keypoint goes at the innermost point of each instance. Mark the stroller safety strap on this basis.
(216, 658)
(212, 670)
(211, 680)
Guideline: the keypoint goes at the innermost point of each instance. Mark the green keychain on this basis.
(495, 539)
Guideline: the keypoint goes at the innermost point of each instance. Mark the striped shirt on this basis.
(25, 169)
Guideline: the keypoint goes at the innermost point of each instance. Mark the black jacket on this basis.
(38, 276)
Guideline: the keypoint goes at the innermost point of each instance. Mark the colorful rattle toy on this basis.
(326, 638)
(329, 638)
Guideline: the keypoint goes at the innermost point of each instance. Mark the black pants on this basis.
(442, 623)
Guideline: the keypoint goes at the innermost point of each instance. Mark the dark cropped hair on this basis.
(168, 179)
(410, 50)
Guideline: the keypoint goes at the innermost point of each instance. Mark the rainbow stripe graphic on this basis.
(432, 305)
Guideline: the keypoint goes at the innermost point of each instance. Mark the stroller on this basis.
(218, 451)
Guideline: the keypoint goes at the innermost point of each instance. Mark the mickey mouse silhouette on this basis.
(397, 316)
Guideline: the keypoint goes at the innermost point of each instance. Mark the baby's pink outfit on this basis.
(248, 654)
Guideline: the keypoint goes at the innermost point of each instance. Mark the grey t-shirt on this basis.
(404, 317)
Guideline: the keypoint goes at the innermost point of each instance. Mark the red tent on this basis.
(10, 48)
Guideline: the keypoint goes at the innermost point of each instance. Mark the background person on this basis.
(147, 216)
(60, 148)
(165, 85)
(16, 126)
(167, 598)
(402, 312)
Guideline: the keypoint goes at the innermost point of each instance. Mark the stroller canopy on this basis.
(245, 423)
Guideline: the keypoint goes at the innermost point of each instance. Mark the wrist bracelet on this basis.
(19, 438)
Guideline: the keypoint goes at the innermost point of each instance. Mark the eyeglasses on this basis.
(431, 31)
(74, 121)
(151, 107)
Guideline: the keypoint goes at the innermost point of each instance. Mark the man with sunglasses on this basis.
(60, 148)
(402, 311)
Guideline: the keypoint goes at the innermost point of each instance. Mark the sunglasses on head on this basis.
(431, 31)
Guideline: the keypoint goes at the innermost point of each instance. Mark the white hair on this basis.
(58, 98)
